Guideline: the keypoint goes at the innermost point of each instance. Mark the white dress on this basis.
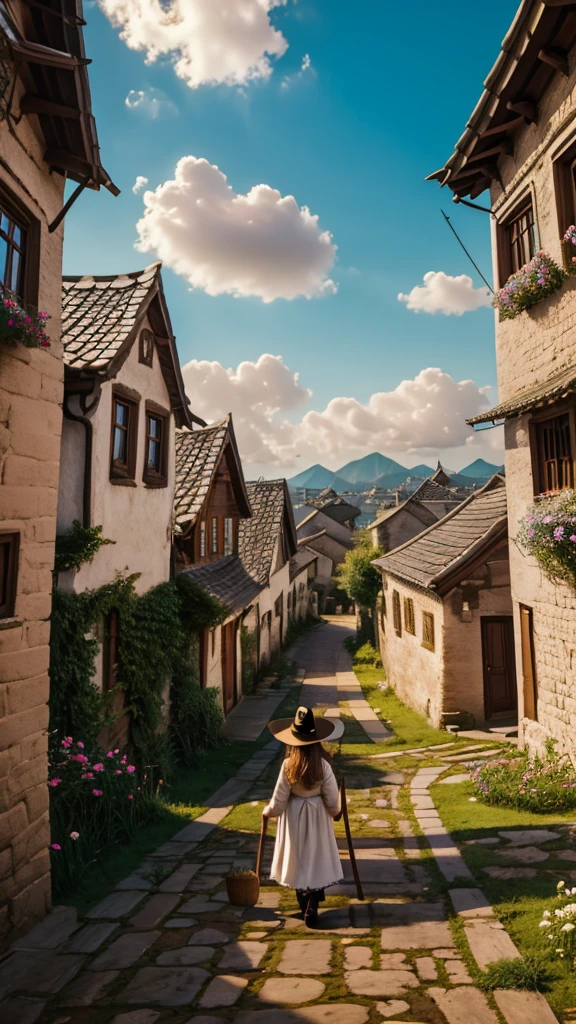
(305, 854)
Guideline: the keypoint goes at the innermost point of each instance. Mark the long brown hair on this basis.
(304, 764)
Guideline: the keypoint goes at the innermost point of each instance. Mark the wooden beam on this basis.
(69, 162)
(499, 129)
(556, 58)
(30, 104)
(479, 187)
(502, 147)
(524, 107)
(559, 3)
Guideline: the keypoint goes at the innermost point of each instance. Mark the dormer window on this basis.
(146, 347)
(228, 536)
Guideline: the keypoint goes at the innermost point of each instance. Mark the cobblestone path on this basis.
(166, 947)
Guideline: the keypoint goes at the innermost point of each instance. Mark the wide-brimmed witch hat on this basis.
(303, 729)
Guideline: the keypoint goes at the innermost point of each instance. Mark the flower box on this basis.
(533, 282)
(569, 250)
(548, 532)
(21, 324)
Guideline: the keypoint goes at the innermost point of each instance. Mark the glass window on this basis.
(146, 347)
(154, 445)
(202, 539)
(12, 246)
(409, 622)
(214, 535)
(521, 237)
(228, 536)
(120, 439)
(428, 639)
(8, 571)
(396, 613)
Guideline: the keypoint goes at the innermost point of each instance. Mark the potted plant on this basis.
(21, 324)
(548, 532)
(243, 888)
(533, 282)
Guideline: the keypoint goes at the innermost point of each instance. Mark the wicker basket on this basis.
(243, 890)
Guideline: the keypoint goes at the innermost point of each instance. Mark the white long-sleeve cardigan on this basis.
(305, 853)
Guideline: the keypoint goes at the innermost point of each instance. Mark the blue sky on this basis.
(387, 95)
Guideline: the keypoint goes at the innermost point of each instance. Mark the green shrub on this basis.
(368, 655)
(540, 785)
(351, 644)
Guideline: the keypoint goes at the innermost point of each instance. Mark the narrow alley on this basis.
(166, 947)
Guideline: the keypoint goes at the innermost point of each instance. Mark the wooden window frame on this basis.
(125, 473)
(146, 335)
(10, 581)
(537, 422)
(214, 535)
(202, 539)
(428, 631)
(153, 478)
(396, 613)
(564, 171)
(529, 677)
(17, 212)
(409, 616)
(506, 259)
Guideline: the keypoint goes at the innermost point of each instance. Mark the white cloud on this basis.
(423, 415)
(139, 184)
(306, 66)
(150, 103)
(210, 42)
(260, 244)
(442, 293)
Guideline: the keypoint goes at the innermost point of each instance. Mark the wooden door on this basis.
(529, 682)
(499, 668)
(228, 666)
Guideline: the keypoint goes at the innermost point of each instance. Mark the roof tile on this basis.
(197, 452)
(258, 535)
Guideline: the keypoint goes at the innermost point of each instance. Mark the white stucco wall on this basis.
(139, 518)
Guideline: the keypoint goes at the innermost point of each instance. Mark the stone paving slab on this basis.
(185, 956)
(471, 903)
(524, 1007)
(463, 1005)
(52, 931)
(116, 905)
(489, 942)
(291, 990)
(380, 984)
(180, 878)
(88, 987)
(37, 971)
(21, 1010)
(332, 1013)
(223, 990)
(124, 952)
(155, 910)
(165, 986)
(243, 956)
(90, 938)
(306, 956)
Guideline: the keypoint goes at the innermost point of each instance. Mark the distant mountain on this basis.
(481, 469)
(317, 477)
(421, 470)
(391, 480)
(369, 469)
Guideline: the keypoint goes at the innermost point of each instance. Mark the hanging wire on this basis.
(475, 265)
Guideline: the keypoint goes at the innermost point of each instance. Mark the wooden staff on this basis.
(261, 845)
(344, 814)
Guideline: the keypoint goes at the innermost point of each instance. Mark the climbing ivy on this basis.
(157, 653)
(78, 545)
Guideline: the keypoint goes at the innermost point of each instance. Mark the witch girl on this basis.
(305, 800)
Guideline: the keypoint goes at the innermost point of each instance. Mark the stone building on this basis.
(520, 143)
(330, 541)
(42, 143)
(431, 501)
(445, 627)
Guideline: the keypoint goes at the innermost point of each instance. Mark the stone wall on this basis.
(30, 427)
(529, 349)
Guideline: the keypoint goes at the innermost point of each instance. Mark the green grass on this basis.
(184, 800)
(530, 972)
(477, 820)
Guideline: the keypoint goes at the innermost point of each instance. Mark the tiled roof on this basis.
(258, 535)
(197, 455)
(438, 552)
(557, 386)
(429, 490)
(99, 314)
(322, 497)
(411, 505)
(301, 561)
(227, 580)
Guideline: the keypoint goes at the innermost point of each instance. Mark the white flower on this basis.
(561, 885)
(543, 924)
(550, 937)
(567, 927)
(546, 913)
(472, 799)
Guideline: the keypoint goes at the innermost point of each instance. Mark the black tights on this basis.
(316, 894)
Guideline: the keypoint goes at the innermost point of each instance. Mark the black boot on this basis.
(311, 915)
(302, 898)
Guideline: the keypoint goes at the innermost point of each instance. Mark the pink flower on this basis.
(65, 743)
(130, 797)
(131, 769)
(110, 753)
(54, 782)
(99, 767)
(117, 751)
(56, 846)
(88, 775)
(573, 538)
(81, 758)
(80, 745)
(118, 771)
(124, 759)
(74, 835)
(96, 792)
